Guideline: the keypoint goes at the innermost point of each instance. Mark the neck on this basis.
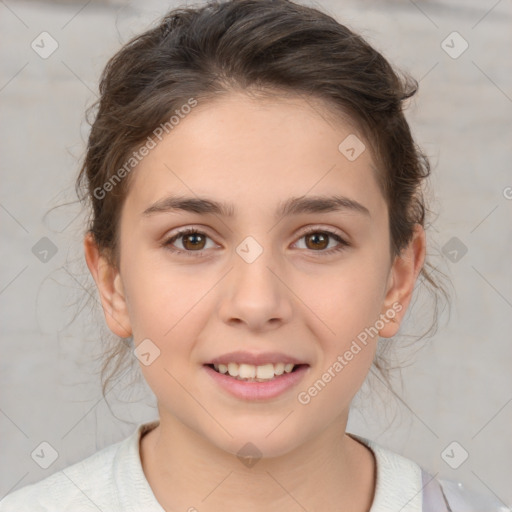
(330, 472)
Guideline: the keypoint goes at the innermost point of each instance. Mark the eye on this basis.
(193, 242)
(318, 239)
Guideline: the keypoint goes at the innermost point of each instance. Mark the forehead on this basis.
(256, 152)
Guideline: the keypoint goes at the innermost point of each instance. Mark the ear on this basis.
(402, 278)
(110, 287)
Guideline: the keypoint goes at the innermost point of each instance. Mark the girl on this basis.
(257, 228)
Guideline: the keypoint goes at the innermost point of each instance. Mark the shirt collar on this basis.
(398, 483)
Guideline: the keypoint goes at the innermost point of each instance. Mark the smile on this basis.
(250, 372)
(277, 379)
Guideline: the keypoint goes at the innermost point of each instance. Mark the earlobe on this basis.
(110, 288)
(402, 279)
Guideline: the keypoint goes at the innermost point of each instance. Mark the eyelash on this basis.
(168, 243)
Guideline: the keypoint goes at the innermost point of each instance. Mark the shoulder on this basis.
(83, 486)
(401, 484)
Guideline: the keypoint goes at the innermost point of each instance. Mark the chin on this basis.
(253, 444)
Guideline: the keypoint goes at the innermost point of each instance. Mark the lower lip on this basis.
(258, 390)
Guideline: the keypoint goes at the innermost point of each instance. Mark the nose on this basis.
(255, 293)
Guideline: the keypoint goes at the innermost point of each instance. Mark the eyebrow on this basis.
(292, 206)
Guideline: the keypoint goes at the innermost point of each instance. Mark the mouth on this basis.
(256, 373)
(262, 382)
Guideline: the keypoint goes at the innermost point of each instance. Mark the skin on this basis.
(293, 298)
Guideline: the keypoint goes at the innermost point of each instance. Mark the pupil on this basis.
(316, 236)
(194, 236)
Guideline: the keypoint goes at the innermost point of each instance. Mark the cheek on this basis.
(161, 297)
(348, 299)
(348, 307)
(169, 306)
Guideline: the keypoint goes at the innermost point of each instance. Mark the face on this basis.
(311, 285)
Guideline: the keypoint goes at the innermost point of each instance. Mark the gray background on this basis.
(458, 386)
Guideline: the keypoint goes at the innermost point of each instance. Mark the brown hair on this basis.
(263, 46)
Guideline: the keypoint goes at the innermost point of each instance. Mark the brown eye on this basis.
(193, 241)
(318, 240)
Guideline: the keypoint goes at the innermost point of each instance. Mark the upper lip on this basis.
(256, 359)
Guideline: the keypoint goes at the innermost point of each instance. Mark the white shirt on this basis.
(112, 480)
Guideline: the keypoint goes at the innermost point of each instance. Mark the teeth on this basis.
(246, 371)
(233, 369)
(252, 372)
(265, 372)
(279, 368)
